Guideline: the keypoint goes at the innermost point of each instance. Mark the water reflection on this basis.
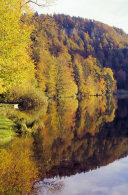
(111, 179)
(72, 142)
(18, 172)
(64, 139)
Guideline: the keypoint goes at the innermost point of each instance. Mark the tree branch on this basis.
(36, 3)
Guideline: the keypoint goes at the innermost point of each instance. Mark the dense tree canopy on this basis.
(62, 67)
(15, 63)
(59, 59)
(85, 37)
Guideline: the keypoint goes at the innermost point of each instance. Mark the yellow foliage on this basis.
(15, 63)
(17, 171)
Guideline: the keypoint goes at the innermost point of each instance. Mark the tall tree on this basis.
(16, 66)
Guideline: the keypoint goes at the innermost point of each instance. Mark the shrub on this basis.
(32, 99)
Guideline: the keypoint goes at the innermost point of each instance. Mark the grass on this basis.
(6, 130)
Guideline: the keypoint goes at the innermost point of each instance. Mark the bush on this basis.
(31, 99)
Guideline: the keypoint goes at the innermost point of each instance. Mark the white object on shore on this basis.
(16, 106)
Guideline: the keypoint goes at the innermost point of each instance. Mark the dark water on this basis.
(67, 148)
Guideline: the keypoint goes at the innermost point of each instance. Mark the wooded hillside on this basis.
(64, 65)
(84, 38)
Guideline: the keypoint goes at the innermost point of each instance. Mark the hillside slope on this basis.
(108, 44)
(65, 63)
(83, 37)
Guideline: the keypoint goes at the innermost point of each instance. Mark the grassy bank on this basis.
(6, 130)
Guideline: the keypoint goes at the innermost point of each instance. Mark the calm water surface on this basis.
(67, 148)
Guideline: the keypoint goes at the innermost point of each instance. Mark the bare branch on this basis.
(44, 4)
(35, 2)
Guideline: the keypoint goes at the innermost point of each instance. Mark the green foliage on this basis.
(23, 122)
(6, 130)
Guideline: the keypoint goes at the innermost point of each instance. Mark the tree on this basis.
(65, 83)
(16, 65)
(47, 73)
(107, 74)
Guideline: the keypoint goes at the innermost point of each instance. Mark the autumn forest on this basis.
(60, 109)
(57, 56)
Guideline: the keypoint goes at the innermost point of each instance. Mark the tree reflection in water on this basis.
(71, 137)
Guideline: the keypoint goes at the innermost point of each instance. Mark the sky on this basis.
(112, 12)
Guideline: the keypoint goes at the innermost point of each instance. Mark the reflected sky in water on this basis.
(111, 179)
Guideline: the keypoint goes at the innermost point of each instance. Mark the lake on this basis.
(68, 147)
